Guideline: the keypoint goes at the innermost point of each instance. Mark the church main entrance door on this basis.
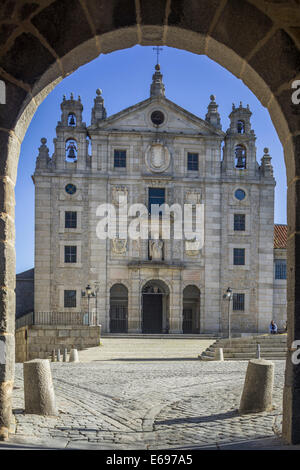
(152, 313)
(154, 308)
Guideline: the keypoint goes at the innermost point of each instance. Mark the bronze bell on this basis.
(71, 151)
(72, 120)
(241, 158)
(240, 162)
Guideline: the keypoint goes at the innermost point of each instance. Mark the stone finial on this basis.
(157, 87)
(266, 166)
(212, 115)
(98, 111)
(43, 156)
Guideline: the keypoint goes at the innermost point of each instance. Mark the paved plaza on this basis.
(146, 394)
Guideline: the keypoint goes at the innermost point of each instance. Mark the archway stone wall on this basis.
(42, 41)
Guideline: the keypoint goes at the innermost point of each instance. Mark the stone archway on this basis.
(118, 309)
(191, 309)
(44, 41)
(155, 307)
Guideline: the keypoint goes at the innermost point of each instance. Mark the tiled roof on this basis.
(280, 236)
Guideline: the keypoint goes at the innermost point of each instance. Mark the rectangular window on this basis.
(280, 269)
(69, 298)
(238, 256)
(239, 222)
(120, 158)
(70, 219)
(156, 196)
(70, 254)
(238, 302)
(193, 161)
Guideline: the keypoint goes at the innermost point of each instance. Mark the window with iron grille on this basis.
(238, 302)
(239, 222)
(70, 219)
(69, 298)
(193, 161)
(280, 269)
(238, 256)
(120, 158)
(70, 254)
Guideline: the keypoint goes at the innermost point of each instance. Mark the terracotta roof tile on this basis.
(280, 236)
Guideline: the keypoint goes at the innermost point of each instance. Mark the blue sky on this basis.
(125, 77)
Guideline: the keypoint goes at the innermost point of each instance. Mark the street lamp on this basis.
(88, 293)
(229, 296)
(96, 295)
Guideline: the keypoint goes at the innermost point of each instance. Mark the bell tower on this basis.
(239, 153)
(71, 144)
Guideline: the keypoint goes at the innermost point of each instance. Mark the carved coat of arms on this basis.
(119, 246)
(157, 157)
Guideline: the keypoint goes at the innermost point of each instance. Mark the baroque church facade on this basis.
(156, 152)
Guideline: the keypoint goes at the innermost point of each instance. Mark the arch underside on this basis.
(256, 41)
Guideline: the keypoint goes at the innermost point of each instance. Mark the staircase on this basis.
(242, 349)
(200, 336)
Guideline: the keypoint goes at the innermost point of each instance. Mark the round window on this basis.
(157, 117)
(240, 194)
(70, 188)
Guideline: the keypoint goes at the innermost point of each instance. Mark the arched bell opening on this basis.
(71, 150)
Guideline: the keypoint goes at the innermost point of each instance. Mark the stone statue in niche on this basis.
(156, 249)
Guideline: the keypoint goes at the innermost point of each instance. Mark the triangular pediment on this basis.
(176, 119)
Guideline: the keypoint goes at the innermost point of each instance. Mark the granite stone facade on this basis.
(155, 150)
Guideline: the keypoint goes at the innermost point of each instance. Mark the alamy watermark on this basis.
(296, 93)
(136, 222)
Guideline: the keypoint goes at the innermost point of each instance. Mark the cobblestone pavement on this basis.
(140, 403)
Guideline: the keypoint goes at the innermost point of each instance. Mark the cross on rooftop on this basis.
(157, 49)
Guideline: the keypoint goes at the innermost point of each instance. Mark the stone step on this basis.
(251, 349)
(271, 347)
(160, 336)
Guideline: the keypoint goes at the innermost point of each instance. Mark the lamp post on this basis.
(96, 296)
(88, 293)
(229, 296)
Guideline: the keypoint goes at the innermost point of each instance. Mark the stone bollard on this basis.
(53, 356)
(219, 356)
(258, 387)
(38, 388)
(73, 356)
(58, 355)
(258, 351)
(65, 355)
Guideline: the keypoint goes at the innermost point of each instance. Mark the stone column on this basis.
(7, 296)
(134, 307)
(175, 306)
(291, 394)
